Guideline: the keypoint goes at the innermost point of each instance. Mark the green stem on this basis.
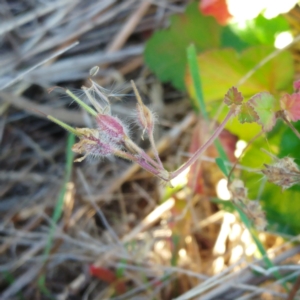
(82, 104)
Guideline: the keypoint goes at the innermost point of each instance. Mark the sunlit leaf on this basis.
(282, 208)
(264, 105)
(221, 69)
(260, 31)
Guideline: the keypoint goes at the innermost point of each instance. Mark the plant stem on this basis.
(161, 173)
(131, 146)
(81, 103)
(196, 155)
(155, 152)
(240, 156)
(196, 79)
(282, 115)
(64, 125)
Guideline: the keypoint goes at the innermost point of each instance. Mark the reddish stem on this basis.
(155, 152)
(130, 145)
(196, 155)
(143, 163)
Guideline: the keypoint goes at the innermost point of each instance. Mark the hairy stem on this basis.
(162, 174)
(155, 152)
(196, 155)
(131, 146)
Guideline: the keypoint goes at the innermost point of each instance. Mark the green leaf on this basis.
(247, 114)
(260, 31)
(264, 105)
(282, 208)
(165, 51)
(229, 39)
(221, 69)
(221, 164)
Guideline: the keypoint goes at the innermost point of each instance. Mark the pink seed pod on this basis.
(92, 143)
(111, 127)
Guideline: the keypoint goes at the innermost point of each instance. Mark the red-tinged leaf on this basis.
(109, 277)
(103, 274)
(264, 105)
(297, 85)
(233, 96)
(247, 114)
(216, 8)
(291, 105)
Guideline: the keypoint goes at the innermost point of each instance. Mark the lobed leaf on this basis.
(264, 106)
(223, 68)
(233, 96)
(247, 114)
(291, 105)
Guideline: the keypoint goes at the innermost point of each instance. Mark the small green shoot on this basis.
(58, 210)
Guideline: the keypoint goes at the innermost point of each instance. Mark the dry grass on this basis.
(162, 243)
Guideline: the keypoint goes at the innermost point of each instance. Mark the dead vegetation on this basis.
(105, 229)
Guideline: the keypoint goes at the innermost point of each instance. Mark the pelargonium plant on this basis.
(111, 137)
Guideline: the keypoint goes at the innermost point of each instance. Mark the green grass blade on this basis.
(221, 164)
(259, 245)
(58, 210)
(195, 72)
